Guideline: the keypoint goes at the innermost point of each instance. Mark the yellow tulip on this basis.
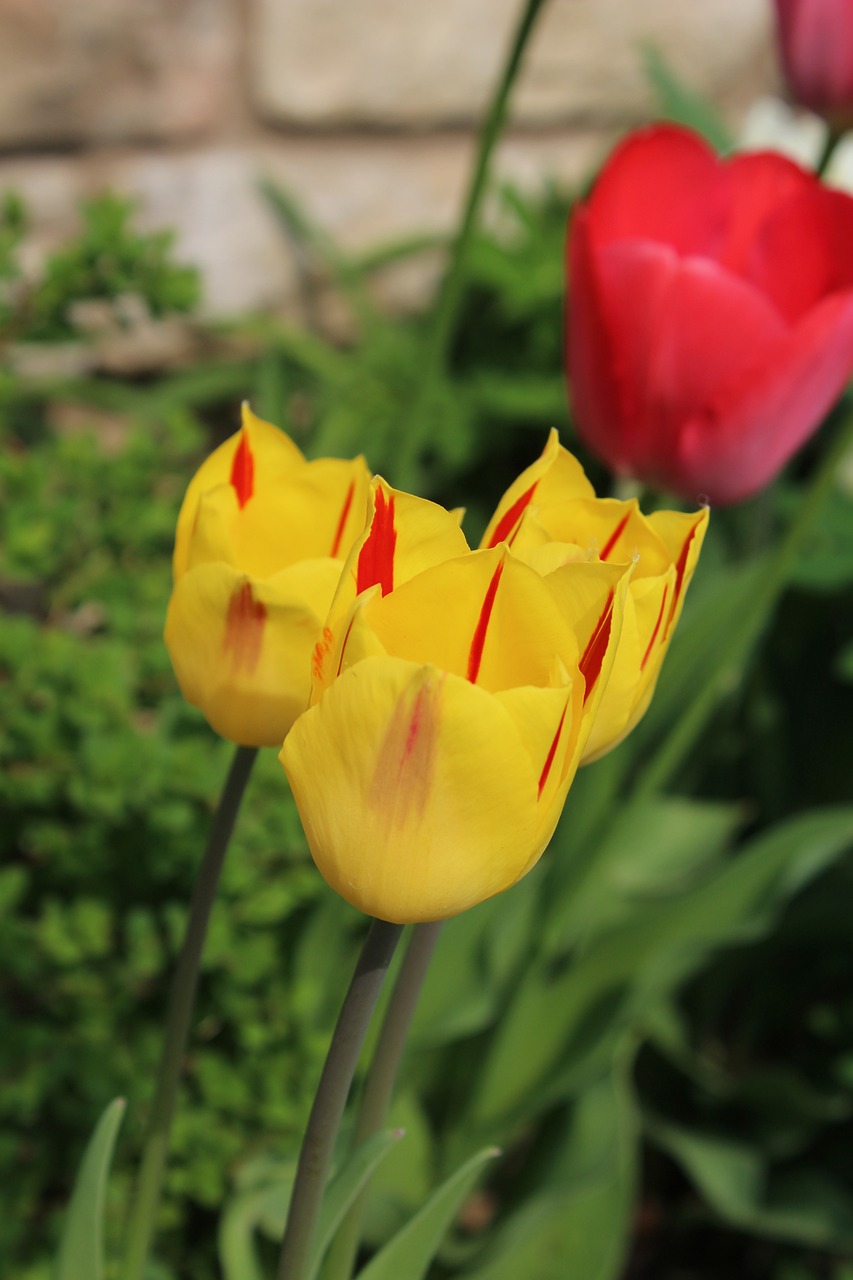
(550, 515)
(261, 539)
(447, 714)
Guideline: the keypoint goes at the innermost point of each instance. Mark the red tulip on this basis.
(710, 313)
(816, 43)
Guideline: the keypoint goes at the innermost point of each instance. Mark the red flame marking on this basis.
(321, 651)
(654, 635)
(243, 471)
(475, 653)
(593, 657)
(339, 532)
(511, 518)
(680, 570)
(376, 558)
(244, 629)
(614, 537)
(549, 759)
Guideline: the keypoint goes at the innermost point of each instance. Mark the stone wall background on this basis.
(365, 109)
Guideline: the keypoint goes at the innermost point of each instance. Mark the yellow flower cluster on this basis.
(434, 701)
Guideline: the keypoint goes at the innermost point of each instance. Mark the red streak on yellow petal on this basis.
(614, 537)
(654, 635)
(680, 570)
(507, 525)
(339, 532)
(406, 760)
(244, 629)
(475, 653)
(321, 652)
(376, 558)
(344, 644)
(243, 471)
(593, 656)
(552, 751)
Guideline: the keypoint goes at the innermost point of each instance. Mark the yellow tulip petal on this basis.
(615, 532)
(258, 448)
(635, 666)
(555, 476)
(242, 649)
(545, 555)
(590, 596)
(310, 515)
(403, 535)
(415, 790)
(484, 616)
(683, 536)
(549, 723)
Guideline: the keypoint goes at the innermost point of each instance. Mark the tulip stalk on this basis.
(318, 1144)
(380, 1081)
(181, 1004)
(451, 289)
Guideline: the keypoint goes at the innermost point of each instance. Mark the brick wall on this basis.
(364, 108)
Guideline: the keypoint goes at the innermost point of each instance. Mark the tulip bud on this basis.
(452, 698)
(550, 516)
(816, 45)
(260, 542)
(710, 313)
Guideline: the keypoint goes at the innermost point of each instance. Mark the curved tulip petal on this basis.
(241, 649)
(742, 439)
(257, 449)
(703, 328)
(403, 535)
(433, 806)
(635, 665)
(683, 534)
(555, 472)
(312, 515)
(549, 724)
(591, 361)
(485, 617)
(626, 200)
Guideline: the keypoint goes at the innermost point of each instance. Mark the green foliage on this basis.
(107, 783)
(675, 972)
(108, 260)
(81, 1249)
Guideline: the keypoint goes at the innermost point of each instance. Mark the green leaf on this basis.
(261, 1209)
(654, 849)
(81, 1246)
(801, 1205)
(412, 1250)
(577, 1229)
(569, 1020)
(345, 1187)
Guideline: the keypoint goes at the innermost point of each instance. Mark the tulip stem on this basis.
(318, 1145)
(380, 1081)
(451, 289)
(833, 137)
(687, 729)
(491, 132)
(181, 1002)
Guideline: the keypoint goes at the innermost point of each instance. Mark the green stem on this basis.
(181, 1002)
(444, 318)
(318, 1145)
(687, 729)
(379, 1085)
(833, 137)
